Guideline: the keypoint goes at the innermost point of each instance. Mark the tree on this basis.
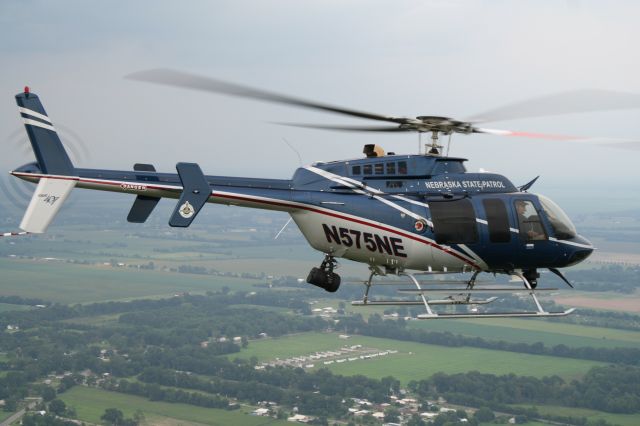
(10, 404)
(416, 420)
(484, 414)
(392, 415)
(58, 407)
(47, 393)
(112, 416)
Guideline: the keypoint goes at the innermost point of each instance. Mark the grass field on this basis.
(68, 283)
(90, 404)
(592, 415)
(7, 307)
(531, 331)
(416, 360)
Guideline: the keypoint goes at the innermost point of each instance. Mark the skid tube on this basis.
(461, 297)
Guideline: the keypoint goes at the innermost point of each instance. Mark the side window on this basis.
(378, 168)
(391, 169)
(454, 222)
(355, 170)
(402, 167)
(367, 169)
(498, 220)
(531, 228)
(394, 184)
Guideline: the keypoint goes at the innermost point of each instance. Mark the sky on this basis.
(451, 58)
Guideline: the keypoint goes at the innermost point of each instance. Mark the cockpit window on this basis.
(529, 222)
(560, 222)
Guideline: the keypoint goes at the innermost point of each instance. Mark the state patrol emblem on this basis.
(186, 210)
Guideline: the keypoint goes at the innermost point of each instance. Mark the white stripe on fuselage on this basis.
(361, 188)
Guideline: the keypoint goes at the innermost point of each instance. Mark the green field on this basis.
(416, 360)
(69, 283)
(593, 415)
(90, 404)
(531, 331)
(7, 307)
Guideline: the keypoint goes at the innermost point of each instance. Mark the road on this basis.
(17, 415)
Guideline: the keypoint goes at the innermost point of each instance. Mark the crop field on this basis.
(592, 415)
(531, 331)
(90, 404)
(415, 360)
(70, 283)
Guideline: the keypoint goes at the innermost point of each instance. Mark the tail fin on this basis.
(54, 189)
(50, 153)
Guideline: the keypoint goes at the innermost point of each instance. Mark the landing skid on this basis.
(457, 296)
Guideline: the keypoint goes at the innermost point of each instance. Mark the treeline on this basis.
(158, 393)
(396, 329)
(614, 389)
(316, 404)
(236, 375)
(211, 303)
(17, 300)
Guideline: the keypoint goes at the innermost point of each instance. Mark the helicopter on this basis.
(403, 215)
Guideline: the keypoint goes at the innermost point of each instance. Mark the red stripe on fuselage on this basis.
(273, 203)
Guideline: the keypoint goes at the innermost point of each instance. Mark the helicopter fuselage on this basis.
(398, 212)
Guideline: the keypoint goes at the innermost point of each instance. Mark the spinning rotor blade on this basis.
(348, 128)
(192, 81)
(562, 103)
(525, 134)
(632, 144)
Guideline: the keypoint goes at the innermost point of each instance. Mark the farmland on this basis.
(90, 404)
(416, 360)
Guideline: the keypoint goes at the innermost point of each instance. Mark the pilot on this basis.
(530, 225)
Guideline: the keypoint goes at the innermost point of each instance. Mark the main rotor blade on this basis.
(576, 101)
(197, 82)
(348, 128)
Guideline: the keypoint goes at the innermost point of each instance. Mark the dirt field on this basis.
(622, 303)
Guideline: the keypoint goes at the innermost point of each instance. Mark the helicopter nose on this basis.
(582, 249)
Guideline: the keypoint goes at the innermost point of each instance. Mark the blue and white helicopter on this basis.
(403, 215)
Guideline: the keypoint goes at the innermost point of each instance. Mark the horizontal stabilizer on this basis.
(142, 208)
(49, 196)
(195, 192)
(144, 204)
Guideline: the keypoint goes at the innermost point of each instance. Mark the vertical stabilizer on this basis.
(48, 148)
(53, 188)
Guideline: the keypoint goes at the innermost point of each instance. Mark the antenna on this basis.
(294, 150)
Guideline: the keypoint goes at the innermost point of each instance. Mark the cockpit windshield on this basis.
(560, 222)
